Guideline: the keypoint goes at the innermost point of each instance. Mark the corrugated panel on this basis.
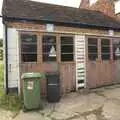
(80, 61)
(13, 59)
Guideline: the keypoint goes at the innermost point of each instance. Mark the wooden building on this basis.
(83, 46)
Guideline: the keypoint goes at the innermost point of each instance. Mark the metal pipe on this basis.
(6, 58)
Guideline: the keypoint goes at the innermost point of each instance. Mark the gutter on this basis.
(75, 24)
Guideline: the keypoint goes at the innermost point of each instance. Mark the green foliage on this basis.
(1, 42)
(11, 102)
(1, 73)
(1, 53)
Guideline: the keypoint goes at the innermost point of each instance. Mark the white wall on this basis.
(13, 59)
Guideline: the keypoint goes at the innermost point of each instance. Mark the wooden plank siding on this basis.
(66, 69)
(102, 72)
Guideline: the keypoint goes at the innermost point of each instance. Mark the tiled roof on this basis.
(26, 9)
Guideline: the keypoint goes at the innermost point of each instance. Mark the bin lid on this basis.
(31, 75)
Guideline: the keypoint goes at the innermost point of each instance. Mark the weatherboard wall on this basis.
(68, 82)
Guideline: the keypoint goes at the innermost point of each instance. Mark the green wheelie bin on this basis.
(31, 90)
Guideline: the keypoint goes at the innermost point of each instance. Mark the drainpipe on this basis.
(6, 58)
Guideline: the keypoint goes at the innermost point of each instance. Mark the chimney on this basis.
(84, 4)
(105, 6)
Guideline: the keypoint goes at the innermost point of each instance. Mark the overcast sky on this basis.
(73, 3)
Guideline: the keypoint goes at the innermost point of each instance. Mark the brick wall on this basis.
(84, 4)
(105, 6)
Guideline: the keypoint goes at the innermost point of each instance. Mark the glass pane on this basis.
(29, 57)
(46, 57)
(49, 39)
(25, 38)
(105, 42)
(92, 41)
(67, 49)
(49, 48)
(116, 49)
(92, 56)
(29, 48)
(67, 57)
(66, 40)
(92, 49)
(105, 57)
(105, 49)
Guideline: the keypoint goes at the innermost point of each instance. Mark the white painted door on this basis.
(13, 59)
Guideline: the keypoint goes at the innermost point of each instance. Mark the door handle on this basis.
(10, 66)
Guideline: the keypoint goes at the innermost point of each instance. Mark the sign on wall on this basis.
(49, 27)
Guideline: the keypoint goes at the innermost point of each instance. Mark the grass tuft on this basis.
(10, 102)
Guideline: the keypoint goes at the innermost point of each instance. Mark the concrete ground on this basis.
(99, 104)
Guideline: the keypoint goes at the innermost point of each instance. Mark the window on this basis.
(67, 46)
(28, 48)
(116, 49)
(49, 48)
(105, 49)
(92, 49)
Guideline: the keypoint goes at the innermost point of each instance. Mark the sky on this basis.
(72, 3)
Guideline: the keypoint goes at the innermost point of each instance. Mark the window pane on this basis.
(105, 56)
(49, 39)
(92, 49)
(67, 57)
(92, 56)
(66, 40)
(29, 57)
(49, 48)
(46, 57)
(67, 47)
(105, 49)
(116, 49)
(92, 41)
(28, 48)
(28, 38)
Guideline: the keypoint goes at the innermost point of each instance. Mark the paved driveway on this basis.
(99, 104)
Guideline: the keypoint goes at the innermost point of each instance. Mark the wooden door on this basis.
(99, 63)
(49, 53)
(116, 57)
